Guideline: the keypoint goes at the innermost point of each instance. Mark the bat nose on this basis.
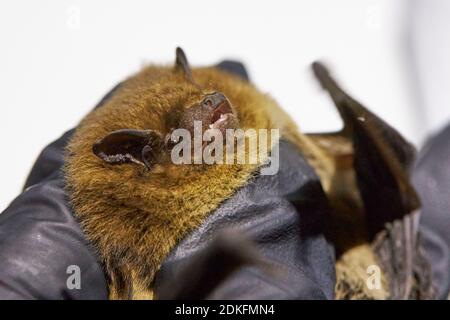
(215, 99)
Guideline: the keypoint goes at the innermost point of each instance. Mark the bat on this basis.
(134, 204)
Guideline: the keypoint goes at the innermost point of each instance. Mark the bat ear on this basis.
(182, 64)
(130, 146)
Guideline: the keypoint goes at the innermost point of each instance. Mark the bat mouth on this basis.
(222, 113)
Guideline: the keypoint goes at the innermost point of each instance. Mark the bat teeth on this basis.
(223, 117)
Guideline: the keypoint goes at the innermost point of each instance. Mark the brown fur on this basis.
(134, 216)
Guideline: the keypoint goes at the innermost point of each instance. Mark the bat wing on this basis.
(371, 179)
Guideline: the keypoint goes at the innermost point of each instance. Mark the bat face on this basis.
(193, 109)
(151, 147)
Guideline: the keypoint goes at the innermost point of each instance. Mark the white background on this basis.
(57, 59)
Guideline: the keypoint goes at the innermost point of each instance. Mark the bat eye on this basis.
(208, 102)
(214, 100)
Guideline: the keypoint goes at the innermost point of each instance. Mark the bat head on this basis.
(209, 110)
